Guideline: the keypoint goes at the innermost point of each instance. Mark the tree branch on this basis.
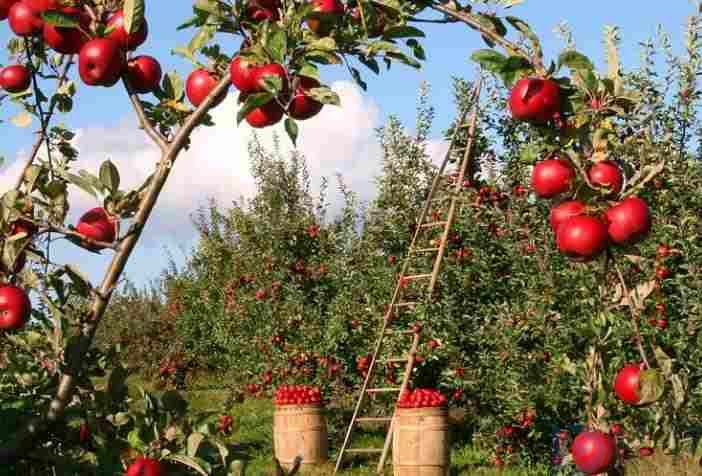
(144, 122)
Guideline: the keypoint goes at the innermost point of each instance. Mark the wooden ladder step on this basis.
(383, 390)
(406, 304)
(399, 332)
(364, 450)
(417, 276)
(425, 250)
(433, 224)
(374, 419)
(392, 360)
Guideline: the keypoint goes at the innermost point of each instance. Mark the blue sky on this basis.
(448, 48)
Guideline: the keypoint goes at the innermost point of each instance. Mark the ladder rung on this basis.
(399, 332)
(406, 304)
(364, 450)
(393, 360)
(417, 276)
(425, 250)
(383, 390)
(432, 224)
(373, 419)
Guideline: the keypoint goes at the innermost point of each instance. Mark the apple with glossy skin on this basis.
(5, 6)
(607, 175)
(629, 220)
(144, 73)
(42, 5)
(263, 10)
(270, 70)
(594, 452)
(325, 14)
(24, 20)
(146, 467)
(200, 84)
(552, 177)
(302, 106)
(68, 41)
(15, 307)
(565, 210)
(243, 75)
(15, 78)
(120, 35)
(627, 384)
(101, 62)
(97, 225)
(582, 237)
(267, 115)
(535, 99)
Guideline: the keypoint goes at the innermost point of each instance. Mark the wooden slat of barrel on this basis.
(421, 442)
(300, 430)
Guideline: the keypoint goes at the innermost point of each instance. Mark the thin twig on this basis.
(144, 121)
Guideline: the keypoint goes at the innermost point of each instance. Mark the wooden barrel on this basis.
(300, 430)
(421, 442)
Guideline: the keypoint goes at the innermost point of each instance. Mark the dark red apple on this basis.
(552, 177)
(5, 6)
(243, 75)
(199, 85)
(23, 226)
(303, 106)
(325, 14)
(582, 237)
(146, 467)
(629, 220)
(15, 78)
(42, 5)
(270, 70)
(535, 99)
(565, 210)
(594, 452)
(119, 34)
(627, 384)
(144, 73)
(97, 225)
(101, 62)
(260, 13)
(645, 451)
(15, 307)
(608, 175)
(267, 115)
(24, 20)
(68, 41)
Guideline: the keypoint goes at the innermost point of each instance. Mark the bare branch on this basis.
(144, 122)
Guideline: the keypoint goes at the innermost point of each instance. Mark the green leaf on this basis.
(489, 60)
(173, 86)
(403, 31)
(356, 75)
(492, 23)
(276, 43)
(135, 441)
(185, 53)
(197, 464)
(575, 61)
(664, 362)
(324, 95)
(309, 71)
(272, 84)
(109, 176)
(133, 15)
(524, 28)
(60, 19)
(194, 441)
(292, 129)
(322, 44)
(370, 63)
(651, 387)
(79, 279)
(417, 49)
(252, 102)
(202, 37)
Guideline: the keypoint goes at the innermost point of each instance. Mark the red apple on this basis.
(565, 210)
(42, 5)
(24, 20)
(101, 62)
(119, 34)
(535, 99)
(663, 273)
(594, 452)
(645, 451)
(582, 237)
(270, 70)
(199, 85)
(616, 429)
(83, 433)
(146, 467)
(325, 14)
(144, 73)
(608, 175)
(68, 41)
(5, 6)
(629, 220)
(260, 11)
(243, 75)
(627, 383)
(23, 226)
(552, 177)
(97, 225)
(15, 78)
(302, 106)
(267, 115)
(15, 307)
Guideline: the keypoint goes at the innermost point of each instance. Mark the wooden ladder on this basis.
(439, 193)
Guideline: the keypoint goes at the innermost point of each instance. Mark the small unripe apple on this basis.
(15, 307)
(101, 62)
(144, 73)
(15, 78)
(127, 41)
(24, 20)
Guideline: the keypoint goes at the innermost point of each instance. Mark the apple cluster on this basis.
(146, 467)
(298, 395)
(422, 398)
(583, 231)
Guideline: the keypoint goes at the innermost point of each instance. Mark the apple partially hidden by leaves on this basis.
(118, 33)
(146, 467)
(97, 225)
